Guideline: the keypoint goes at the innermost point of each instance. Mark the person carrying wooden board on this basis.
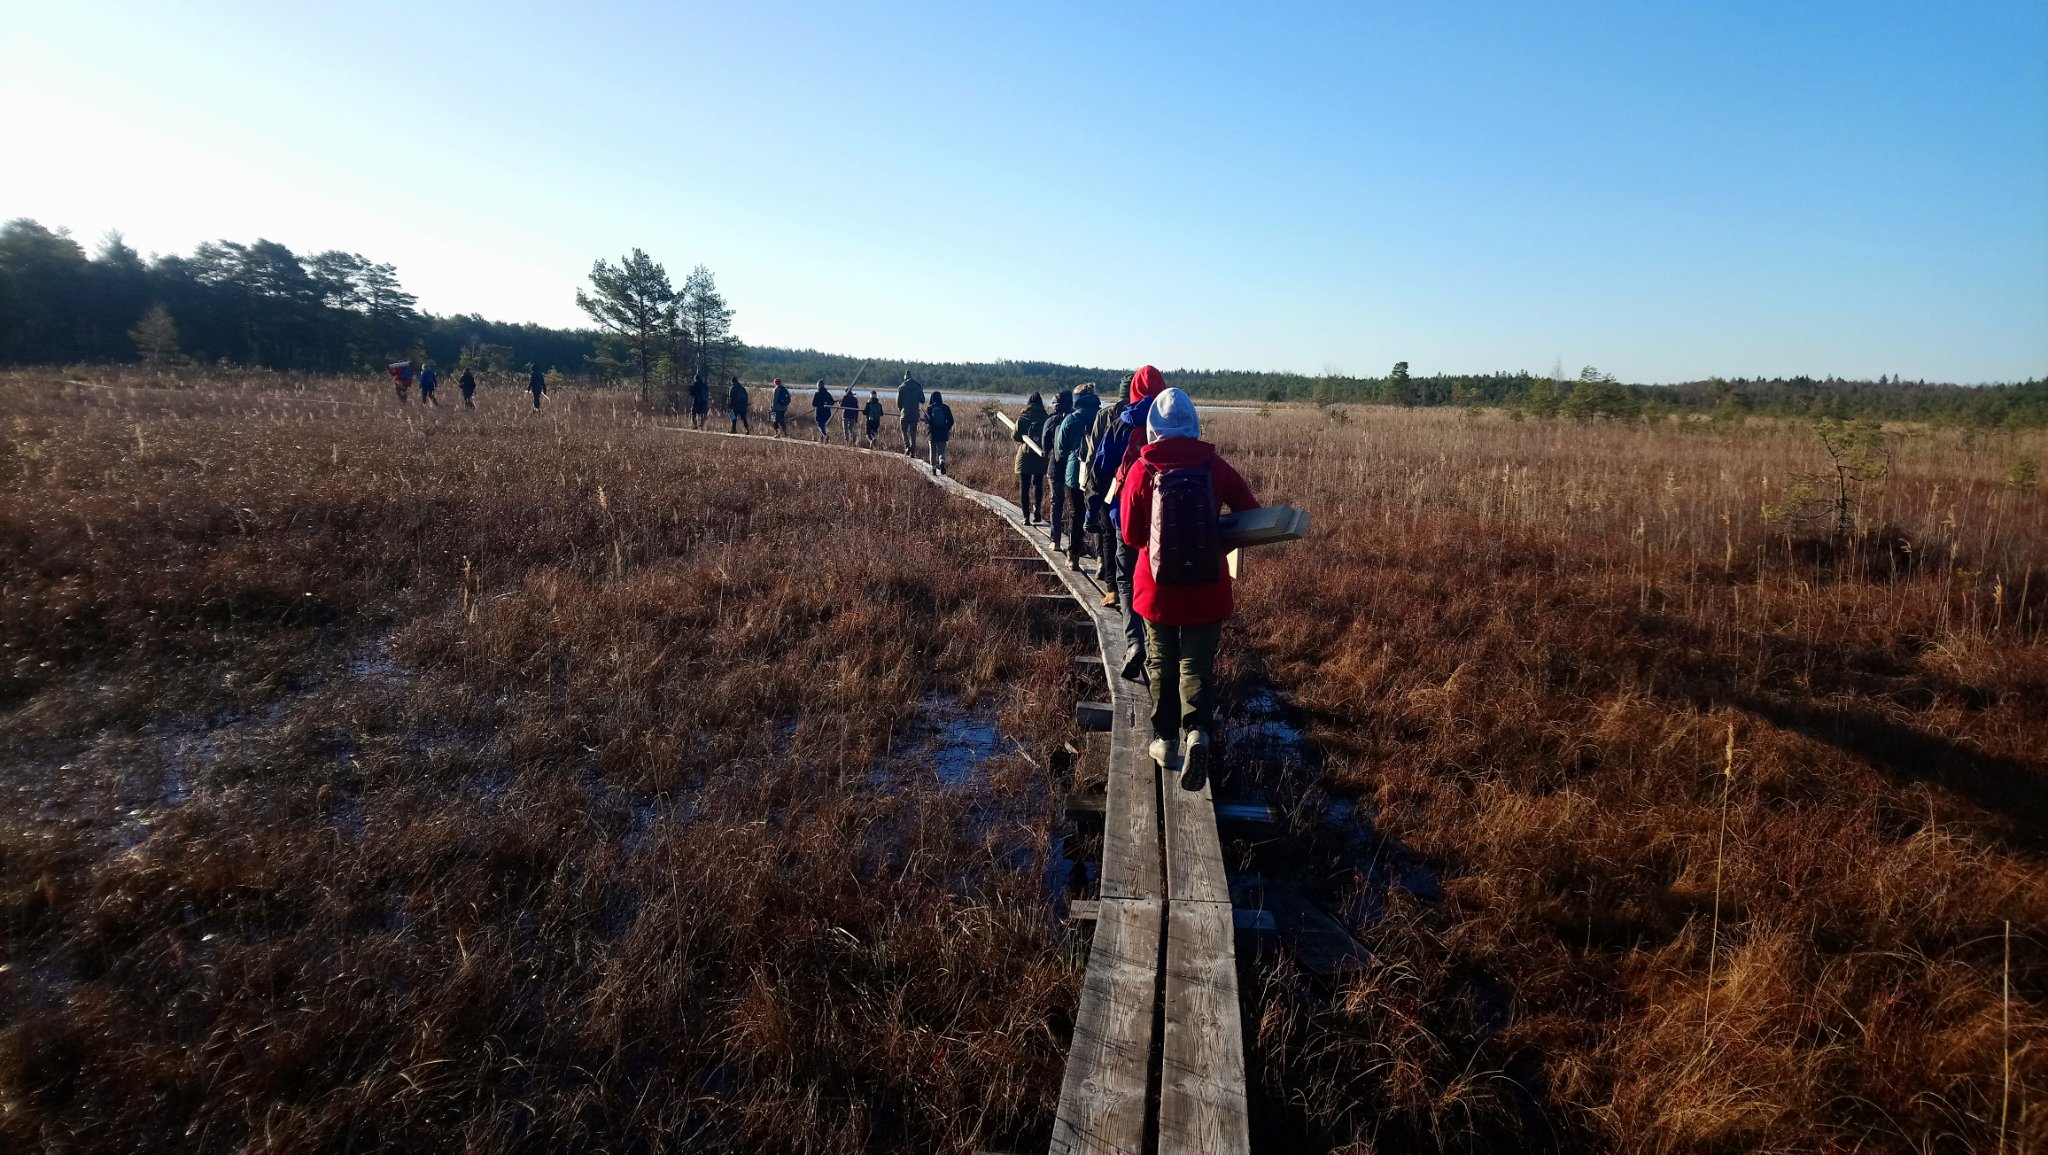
(1168, 510)
(1029, 434)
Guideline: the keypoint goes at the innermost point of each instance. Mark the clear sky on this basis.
(1663, 190)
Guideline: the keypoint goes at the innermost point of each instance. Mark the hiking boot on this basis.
(1162, 752)
(1134, 668)
(1194, 757)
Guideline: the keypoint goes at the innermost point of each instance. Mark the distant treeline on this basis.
(1590, 394)
(255, 304)
(262, 304)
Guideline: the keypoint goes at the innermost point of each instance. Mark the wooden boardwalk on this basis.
(1157, 1059)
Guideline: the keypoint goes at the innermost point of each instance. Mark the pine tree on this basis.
(156, 337)
(707, 325)
(634, 301)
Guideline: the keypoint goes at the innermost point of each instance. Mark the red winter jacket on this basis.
(1176, 605)
(1146, 384)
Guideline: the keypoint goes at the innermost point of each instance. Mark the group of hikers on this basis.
(1135, 486)
(429, 380)
(935, 416)
(1132, 484)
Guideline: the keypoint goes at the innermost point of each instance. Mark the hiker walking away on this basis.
(429, 381)
(873, 412)
(1030, 465)
(1070, 451)
(1182, 589)
(538, 385)
(1098, 469)
(1055, 467)
(821, 405)
(1144, 385)
(468, 385)
(849, 413)
(909, 400)
(778, 408)
(401, 373)
(938, 422)
(700, 400)
(737, 404)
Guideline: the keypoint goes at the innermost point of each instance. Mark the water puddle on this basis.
(948, 741)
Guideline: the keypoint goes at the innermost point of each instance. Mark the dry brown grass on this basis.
(500, 781)
(1522, 647)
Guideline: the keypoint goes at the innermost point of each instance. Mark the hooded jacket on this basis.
(1146, 384)
(1030, 423)
(849, 403)
(781, 399)
(700, 393)
(1172, 605)
(822, 399)
(910, 397)
(739, 401)
(1066, 447)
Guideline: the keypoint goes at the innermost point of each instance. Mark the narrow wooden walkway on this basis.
(1157, 1059)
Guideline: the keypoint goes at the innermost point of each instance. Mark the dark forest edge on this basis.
(261, 304)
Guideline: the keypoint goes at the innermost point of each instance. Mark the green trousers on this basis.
(1181, 662)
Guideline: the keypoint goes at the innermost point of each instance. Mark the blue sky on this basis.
(1665, 191)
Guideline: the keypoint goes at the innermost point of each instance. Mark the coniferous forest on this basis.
(260, 304)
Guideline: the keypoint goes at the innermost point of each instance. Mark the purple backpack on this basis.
(1185, 546)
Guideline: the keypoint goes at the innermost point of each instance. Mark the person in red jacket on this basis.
(1167, 510)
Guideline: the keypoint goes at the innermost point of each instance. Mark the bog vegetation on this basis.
(381, 779)
(398, 778)
(1687, 780)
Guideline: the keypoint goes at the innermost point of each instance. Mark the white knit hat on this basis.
(1173, 415)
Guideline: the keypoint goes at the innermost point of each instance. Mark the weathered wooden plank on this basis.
(1319, 943)
(1201, 1087)
(1194, 853)
(1084, 910)
(1262, 526)
(1260, 921)
(1259, 813)
(1102, 1097)
(1130, 828)
(1010, 423)
(1095, 716)
(1087, 804)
